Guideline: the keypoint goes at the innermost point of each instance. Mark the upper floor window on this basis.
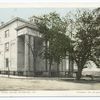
(7, 46)
(6, 33)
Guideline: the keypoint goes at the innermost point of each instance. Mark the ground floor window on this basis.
(7, 62)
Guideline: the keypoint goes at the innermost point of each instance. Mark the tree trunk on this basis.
(70, 70)
(58, 69)
(46, 66)
(79, 73)
(69, 65)
(50, 63)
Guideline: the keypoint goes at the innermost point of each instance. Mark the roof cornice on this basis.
(28, 26)
(13, 20)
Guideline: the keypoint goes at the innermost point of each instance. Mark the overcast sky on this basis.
(8, 13)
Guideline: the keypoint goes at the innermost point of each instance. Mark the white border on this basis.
(50, 4)
(75, 93)
(26, 1)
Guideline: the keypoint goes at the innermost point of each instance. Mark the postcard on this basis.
(50, 49)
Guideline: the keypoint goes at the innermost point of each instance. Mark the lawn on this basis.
(21, 83)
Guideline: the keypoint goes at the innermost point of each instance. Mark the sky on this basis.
(8, 13)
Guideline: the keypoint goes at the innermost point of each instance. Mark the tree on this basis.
(60, 49)
(96, 54)
(86, 34)
(70, 31)
(53, 29)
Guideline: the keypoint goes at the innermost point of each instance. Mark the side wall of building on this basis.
(11, 53)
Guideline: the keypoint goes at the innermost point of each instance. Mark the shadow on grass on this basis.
(84, 81)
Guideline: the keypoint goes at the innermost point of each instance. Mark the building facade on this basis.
(18, 40)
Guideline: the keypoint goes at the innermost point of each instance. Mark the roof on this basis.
(13, 20)
(27, 25)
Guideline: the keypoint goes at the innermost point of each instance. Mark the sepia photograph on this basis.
(49, 49)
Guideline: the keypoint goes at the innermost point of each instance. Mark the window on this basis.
(7, 62)
(7, 46)
(6, 33)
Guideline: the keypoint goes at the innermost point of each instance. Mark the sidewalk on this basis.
(36, 78)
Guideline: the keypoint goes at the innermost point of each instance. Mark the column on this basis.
(31, 54)
(26, 58)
